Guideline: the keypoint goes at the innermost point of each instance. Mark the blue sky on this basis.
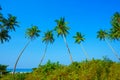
(85, 16)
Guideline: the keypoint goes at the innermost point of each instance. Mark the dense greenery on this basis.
(86, 70)
(3, 70)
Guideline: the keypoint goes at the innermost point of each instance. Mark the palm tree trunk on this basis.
(67, 48)
(84, 51)
(19, 57)
(43, 55)
(114, 52)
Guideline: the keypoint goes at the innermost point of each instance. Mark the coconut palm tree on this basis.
(78, 39)
(62, 30)
(102, 35)
(32, 33)
(47, 38)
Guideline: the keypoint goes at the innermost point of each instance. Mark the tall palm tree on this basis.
(31, 33)
(47, 38)
(62, 30)
(102, 35)
(78, 39)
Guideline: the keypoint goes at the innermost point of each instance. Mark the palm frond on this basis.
(33, 32)
(48, 37)
(61, 27)
(78, 37)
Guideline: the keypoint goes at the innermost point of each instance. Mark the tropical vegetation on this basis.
(3, 70)
(95, 69)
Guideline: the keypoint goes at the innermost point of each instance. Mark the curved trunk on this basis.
(67, 47)
(43, 54)
(114, 52)
(19, 57)
(84, 51)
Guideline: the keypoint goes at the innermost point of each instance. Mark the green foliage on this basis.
(102, 34)
(115, 30)
(33, 32)
(48, 37)
(104, 69)
(3, 70)
(61, 28)
(7, 25)
(4, 36)
(86, 70)
(79, 37)
(17, 76)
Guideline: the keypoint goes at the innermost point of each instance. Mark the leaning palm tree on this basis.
(78, 39)
(31, 33)
(47, 38)
(62, 30)
(102, 35)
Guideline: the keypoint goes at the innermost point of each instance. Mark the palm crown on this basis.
(115, 31)
(116, 20)
(102, 34)
(114, 34)
(79, 38)
(32, 32)
(9, 23)
(61, 27)
(48, 37)
(6, 24)
(12, 22)
(4, 36)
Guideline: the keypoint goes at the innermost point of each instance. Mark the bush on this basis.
(86, 70)
(17, 76)
(3, 70)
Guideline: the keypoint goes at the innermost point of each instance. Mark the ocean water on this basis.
(21, 70)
